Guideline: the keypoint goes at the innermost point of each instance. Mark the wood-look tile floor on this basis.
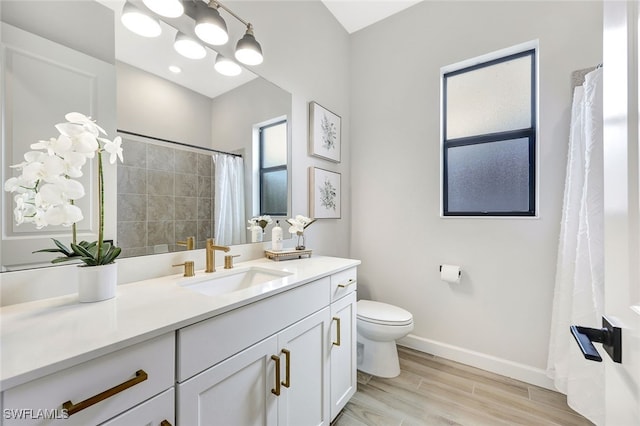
(435, 391)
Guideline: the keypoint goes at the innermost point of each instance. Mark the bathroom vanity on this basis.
(263, 343)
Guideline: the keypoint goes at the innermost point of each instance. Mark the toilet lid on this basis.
(383, 313)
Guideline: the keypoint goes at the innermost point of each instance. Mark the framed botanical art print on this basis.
(324, 133)
(324, 194)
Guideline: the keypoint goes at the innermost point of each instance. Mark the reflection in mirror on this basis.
(211, 112)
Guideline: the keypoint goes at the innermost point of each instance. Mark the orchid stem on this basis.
(100, 208)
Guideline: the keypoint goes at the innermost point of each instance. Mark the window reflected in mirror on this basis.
(273, 168)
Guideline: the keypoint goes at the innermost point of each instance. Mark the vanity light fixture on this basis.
(188, 47)
(248, 50)
(139, 22)
(210, 27)
(226, 66)
(166, 8)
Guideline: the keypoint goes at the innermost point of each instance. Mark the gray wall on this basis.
(65, 23)
(153, 106)
(498, 317)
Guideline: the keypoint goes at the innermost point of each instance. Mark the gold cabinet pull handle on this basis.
(72, 408)
(337, 342)
(351, 281)
(287, 368)
(165, 423)
(276, 391)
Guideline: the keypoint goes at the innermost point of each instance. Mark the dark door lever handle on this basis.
(609, 335)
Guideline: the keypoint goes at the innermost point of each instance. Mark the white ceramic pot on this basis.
(96, 283)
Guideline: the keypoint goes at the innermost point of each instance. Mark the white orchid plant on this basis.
(46, 189)
(261, 221)
(299, 223)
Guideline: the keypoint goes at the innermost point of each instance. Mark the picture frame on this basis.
(325, 129)
(325, 194)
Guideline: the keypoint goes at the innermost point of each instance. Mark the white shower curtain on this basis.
(579, 287)
(229, 226)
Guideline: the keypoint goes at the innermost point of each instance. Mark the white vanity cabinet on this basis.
(95, 391)
(299, 369)
(285, 357)
(343, 344)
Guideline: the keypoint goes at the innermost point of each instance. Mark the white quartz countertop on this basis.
(45, 336)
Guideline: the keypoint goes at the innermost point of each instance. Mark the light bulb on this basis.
(210, 27)
(248, 50)
(226, 66)
(188, 47)
(139, 22)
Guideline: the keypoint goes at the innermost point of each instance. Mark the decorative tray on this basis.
(287, 254)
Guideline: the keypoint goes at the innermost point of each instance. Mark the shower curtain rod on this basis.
(126, 132)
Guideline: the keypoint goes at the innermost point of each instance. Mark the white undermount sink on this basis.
(229, 281)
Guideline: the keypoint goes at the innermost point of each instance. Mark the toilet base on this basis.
(378, 358)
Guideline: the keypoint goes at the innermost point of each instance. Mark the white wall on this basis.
(498, 317)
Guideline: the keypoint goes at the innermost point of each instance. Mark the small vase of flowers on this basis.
(46, 191)
(257, 226)
(298, 225)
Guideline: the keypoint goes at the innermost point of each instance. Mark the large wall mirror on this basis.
(179, 129)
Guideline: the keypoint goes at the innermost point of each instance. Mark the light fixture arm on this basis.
(216, 4)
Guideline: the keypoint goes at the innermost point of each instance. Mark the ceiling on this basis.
(354, 15)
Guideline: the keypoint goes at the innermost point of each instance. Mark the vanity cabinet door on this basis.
(305, 383)
(343, 356)
(237, 391)
(158, 411)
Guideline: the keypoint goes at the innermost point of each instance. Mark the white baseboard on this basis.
(522, 372)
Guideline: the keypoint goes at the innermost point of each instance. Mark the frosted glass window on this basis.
(274, 145)
(489, 177)
(489, 121)
(274, 193)
(273, 169)
(489, 99)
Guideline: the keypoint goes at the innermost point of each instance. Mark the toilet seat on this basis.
(383, 314)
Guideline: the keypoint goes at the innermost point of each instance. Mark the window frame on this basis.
(263, 170)
(529, 133)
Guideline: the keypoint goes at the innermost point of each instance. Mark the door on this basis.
(621, 207)
(304, 397)
(238, 391)
(343, 352)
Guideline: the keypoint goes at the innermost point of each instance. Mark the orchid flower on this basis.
(114, 148)
(46, 187)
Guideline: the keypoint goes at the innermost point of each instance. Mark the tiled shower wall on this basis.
(165, 195)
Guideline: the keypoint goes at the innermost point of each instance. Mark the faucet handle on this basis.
(189, 268)
(189, 243)
(228, 261)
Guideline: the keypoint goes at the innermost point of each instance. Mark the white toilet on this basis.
(379, 325)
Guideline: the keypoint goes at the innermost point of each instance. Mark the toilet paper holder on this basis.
(459, 272)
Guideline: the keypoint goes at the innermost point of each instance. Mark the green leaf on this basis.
(111, 255)
(81, 251)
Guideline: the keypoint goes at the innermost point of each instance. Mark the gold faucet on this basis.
(211, 254)
(190, 243)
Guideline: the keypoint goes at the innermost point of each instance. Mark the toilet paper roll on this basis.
(450, 273)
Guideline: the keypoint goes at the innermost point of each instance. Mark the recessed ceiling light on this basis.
(175, 69)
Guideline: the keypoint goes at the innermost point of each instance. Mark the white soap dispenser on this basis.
(276, 237)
